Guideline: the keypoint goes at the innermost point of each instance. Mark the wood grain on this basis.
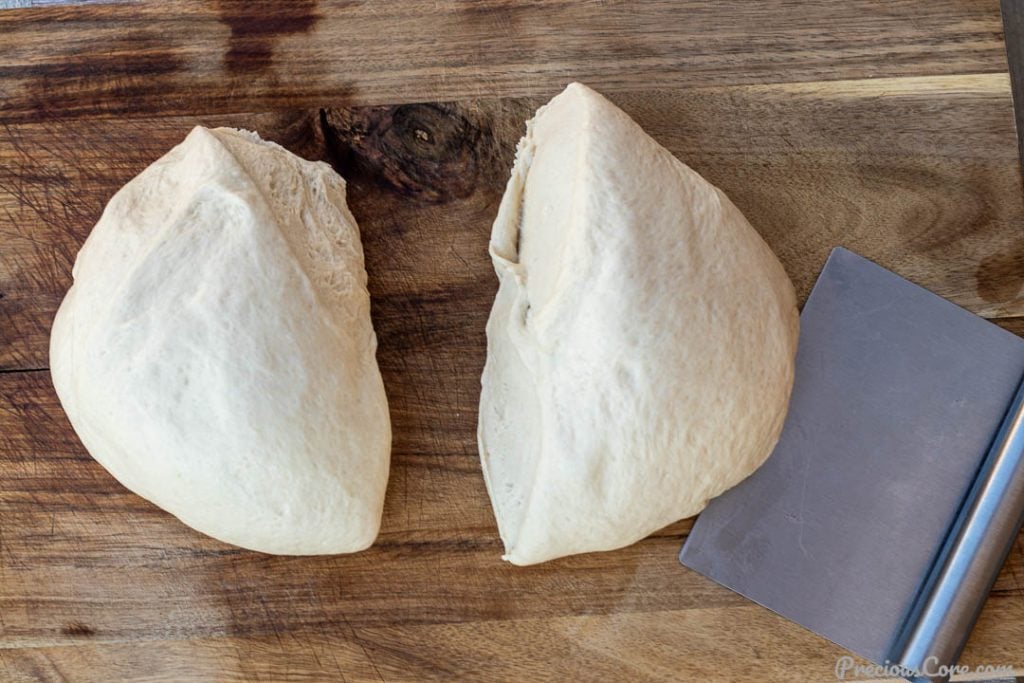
(885, 127)
(85, 564)
(178, 56)
(919, 174)
(566, 648)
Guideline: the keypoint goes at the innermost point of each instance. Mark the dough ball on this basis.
(641, 345)
(215, 352)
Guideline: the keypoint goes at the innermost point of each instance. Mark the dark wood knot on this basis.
(77, 628)
(424, 151)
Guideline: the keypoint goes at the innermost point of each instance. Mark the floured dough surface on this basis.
(641, 345)
(215, 352)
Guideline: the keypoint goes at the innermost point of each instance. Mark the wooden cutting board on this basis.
(884, 127)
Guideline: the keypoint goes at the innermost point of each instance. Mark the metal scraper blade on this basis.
(899, 403)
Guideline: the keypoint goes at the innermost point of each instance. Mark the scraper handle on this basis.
(980, 539)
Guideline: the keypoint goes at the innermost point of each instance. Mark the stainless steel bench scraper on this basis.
(896, 490)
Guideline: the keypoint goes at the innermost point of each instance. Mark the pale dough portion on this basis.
(641, 346)
(215, 352)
